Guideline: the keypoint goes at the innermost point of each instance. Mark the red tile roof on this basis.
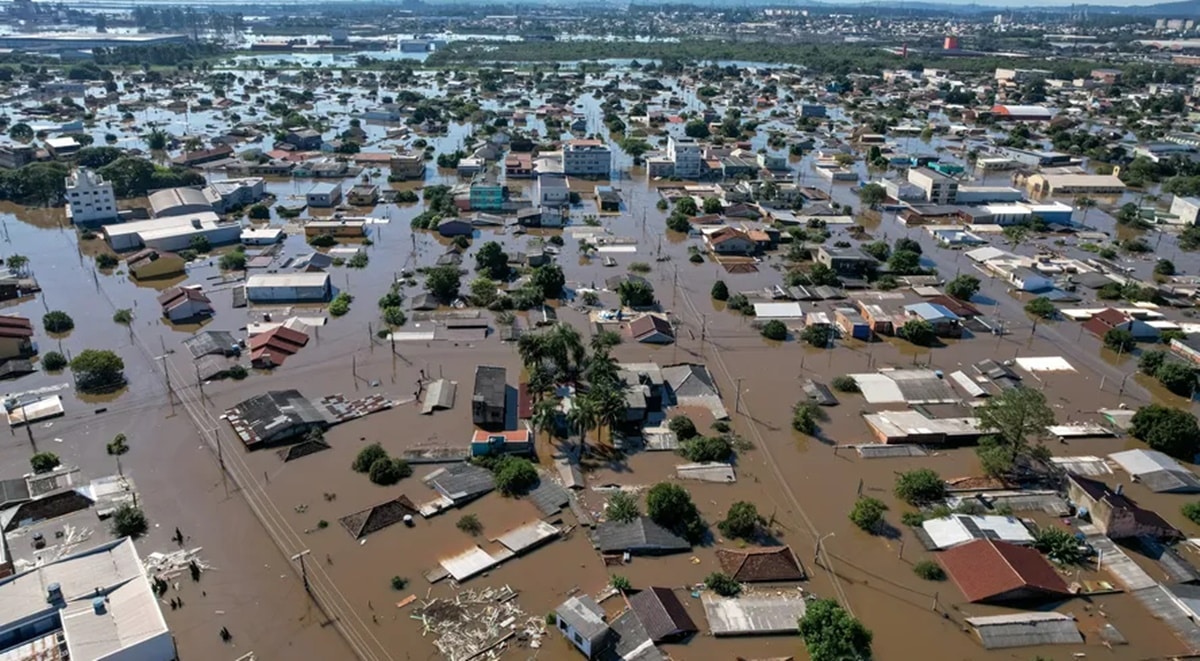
(279, 339)
(987, 570)
(176, 295)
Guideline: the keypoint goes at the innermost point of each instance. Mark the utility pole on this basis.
(737, 405)
(303, 570)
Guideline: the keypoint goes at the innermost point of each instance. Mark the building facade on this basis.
(587, 158)
(687, 156)
(90, 199)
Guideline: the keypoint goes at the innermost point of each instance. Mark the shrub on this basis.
(723, 584)
(367, 457)
(57, 321)
(818, 335)
(844, 383)
(1120, 340)
(129, 521)
(620, 583)
(470, 524)
(683, 427)
(340, 304)
(1192, 512)
(1041, 307)
(696, 258)
(867, 513)
(929, 570)
(322, 524)
(53, 361)
(233, 261)
(1150, 361)
(105, 261)
(917, 331)
(1176, 377)
(720, 291)
(322, 241)
(237, 373)
(124, 316)
(775, 330)
(200, 244)
(399, 582)
(259, 212)
(358, 261)
(44, 462)
(1058, 544)
(804, 417)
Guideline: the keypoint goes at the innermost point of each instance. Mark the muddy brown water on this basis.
(807, 489)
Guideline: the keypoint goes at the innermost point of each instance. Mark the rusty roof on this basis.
(770, 564)
(11, 326)
(987, 570)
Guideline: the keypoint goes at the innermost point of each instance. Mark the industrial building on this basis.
(178, 202)
(97, 604)
(68, 41)
(172, 234)
(288, 287)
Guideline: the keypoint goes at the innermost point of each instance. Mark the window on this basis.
(562, 624)
(578, 639)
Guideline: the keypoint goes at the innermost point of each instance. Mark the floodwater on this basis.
(802, 484)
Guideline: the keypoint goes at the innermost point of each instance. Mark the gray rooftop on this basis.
(753, 614)
(270, 416)
(490, 383)
(639, 535)
(1025, 630)
(210, 342)
(584, 615)
(461, 482)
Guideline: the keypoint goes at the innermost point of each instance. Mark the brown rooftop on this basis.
(990, 571)
(770, 564)
(15, 327)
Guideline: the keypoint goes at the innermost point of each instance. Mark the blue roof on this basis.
(931, 311)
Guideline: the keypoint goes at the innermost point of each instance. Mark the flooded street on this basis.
(258, 518)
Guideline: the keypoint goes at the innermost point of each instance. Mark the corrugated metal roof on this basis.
(1025, 630)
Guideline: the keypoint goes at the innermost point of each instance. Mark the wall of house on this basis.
(12, 347)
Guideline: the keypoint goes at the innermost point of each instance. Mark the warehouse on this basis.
(172, 234)
(178, 202)
(288, 287)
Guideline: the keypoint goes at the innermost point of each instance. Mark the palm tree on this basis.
(601, 370)
(611, 405)
(541, 381)
(193, 144)
(545, 416)
(584, 416)
(532, 349)
(565, 348)
(1084, 203)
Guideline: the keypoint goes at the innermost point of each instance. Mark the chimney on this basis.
(54, 593)
(98, 605)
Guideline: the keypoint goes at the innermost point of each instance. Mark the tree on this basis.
(818, 335)
(904, 262)
(620, 583)
(129, 521)
(124, 316)
(867, 513)
(1119, 340)
(233, 261)
(622, 507)
(1041, 307)
(443, 282)
(720, 292)
(1167, 429)
(53, 361)
(636, 293)
(105, 261)
(1192, 512)
(549, 280)
(687, 206)
(387, 471)
(804, 417)
(515, 475)
(683, 427)
(492, 262)
(1150, 361)
(963, 287)
(832, 634)
(1058, 544)
(117, 446)
(844, 383)
(878, 249)
(742, 521)
(920, 487)
(1164, 267)
(483, 291)
(906, 244)
(723, 584)
(872, 195)
(156, 140)
(367, 457)
(97, 369)
(822, 275)
(259, 212)
(694, 129)
(712, 205)
(17, 263)
(1176, 377)
(670, 506)
(44, 462)
(708, 448)
(1016, 234)
(1015, 415)
(20, 132)
(57, 321)
(775, 330)
(200, 244)
(917, 331)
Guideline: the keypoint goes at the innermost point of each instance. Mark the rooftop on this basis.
(987, 570)
(771, 564)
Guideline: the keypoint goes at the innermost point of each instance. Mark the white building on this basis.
(230, 193)
(98, 604)
(950, 531)
(90, 199)
(1187, 208)
(581, 620)
(551, 190)
(172, 234)
(288, 287)
(324, 195)
(588, 158)
(938, 188)
(687, 156)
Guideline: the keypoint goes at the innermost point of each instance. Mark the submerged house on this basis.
(488, 401)
(1114, 514)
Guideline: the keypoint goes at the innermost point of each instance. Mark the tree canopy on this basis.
(671, 507)
(98, 369)
(443, 282)
(1167, 429)
(832, 634)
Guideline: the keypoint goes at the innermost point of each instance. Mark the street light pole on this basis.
(817, 549)
(303, 570)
